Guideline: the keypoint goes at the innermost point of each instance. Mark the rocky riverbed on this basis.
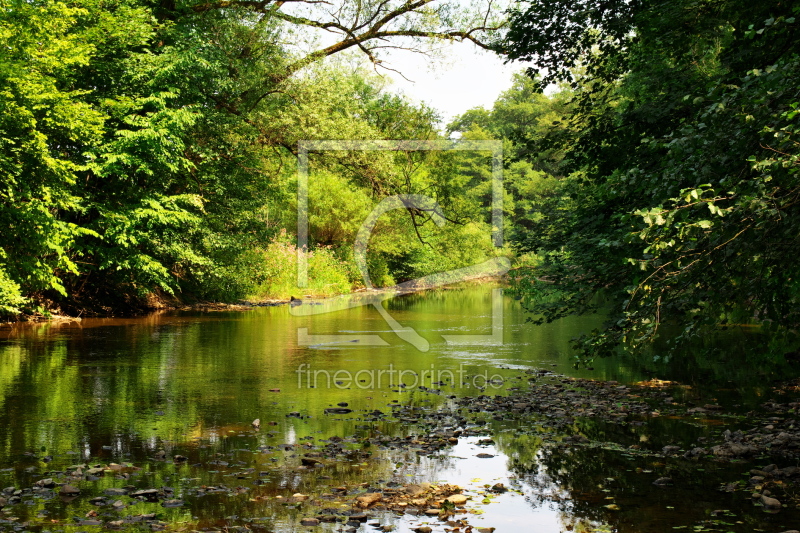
(669, 447)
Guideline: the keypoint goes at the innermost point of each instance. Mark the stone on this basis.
(457, 499)
(69, 490)
(770, 503)
(369, 499)
(146, 494)
(298, 497)
(663, 481)
(695, 452)
(416, 490)
(309, 522)
(172, 503)
(337, 411)
(423, 529)
(732, 450)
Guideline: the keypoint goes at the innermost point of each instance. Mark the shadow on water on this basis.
(597, 486)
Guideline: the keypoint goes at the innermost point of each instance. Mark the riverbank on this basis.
(165, 302)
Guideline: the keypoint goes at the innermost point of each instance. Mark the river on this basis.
(105, 406)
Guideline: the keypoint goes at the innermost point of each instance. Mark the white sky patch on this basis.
(464, 77)
(458, 76)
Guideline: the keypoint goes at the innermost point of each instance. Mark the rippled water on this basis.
(119, 390)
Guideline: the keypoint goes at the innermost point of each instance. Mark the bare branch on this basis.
(359, 33)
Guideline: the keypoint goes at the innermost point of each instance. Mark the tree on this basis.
(48, 125)
(144, 143)
(536, 132)
(680, 208)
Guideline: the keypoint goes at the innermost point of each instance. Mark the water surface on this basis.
(120, 390)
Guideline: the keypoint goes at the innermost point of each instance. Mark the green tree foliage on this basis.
(48, 129)
(148, 146)
(534, 129)
(680, 205)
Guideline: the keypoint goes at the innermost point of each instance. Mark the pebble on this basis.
(369, 499)
(457, 499)
(770, 503)
(69, 490)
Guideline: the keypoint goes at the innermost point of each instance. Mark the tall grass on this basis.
(276, 272)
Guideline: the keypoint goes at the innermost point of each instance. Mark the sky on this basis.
(457, 77)
(464, 77)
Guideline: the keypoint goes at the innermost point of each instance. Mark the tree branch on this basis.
(355, 34)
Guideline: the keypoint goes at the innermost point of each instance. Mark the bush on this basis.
(276, 271)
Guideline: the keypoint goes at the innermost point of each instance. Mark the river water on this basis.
(121, 392)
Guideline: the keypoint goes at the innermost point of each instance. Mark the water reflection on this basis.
(120, 390)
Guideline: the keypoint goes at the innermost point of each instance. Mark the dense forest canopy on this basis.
(149, 147)
(679, 208)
